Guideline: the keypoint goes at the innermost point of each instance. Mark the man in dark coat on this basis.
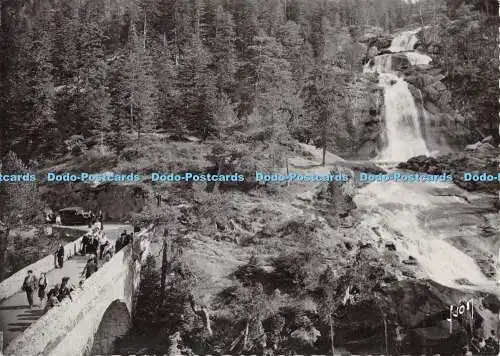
(126, 238)
(60, 255)
(29, 286)
(85, 243)
(119, 244)
(90, 268)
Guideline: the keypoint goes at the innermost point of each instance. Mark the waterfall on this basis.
(404, 137)
(420, 219)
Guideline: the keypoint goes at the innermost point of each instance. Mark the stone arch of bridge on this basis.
(114, 324)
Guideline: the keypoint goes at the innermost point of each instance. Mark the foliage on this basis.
(243, 70)
(468, 51)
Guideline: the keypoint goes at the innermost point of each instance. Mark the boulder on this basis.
(428, 79)
(434, 48)
(431, 108)
(438, 85)
(415, 80)
(488, 139)
(382, 42)
(424, 67)
(415, 92)
(432, 93)
(372, 52)
(479, 146)
(390, 246)
(400, 62)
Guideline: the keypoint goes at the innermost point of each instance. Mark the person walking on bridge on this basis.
(29, 286)
(60, 255)
(42, 285)
(102, 245)
(85, 244)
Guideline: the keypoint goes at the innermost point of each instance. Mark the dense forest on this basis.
(77, 73)
(80, 74)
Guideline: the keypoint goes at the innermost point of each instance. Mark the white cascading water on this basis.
(404, 137)
(405, 213)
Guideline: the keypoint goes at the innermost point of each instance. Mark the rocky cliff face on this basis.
(441, 123)
(368, 125)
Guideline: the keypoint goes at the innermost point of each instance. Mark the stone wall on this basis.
(12, 285)
(69, 329)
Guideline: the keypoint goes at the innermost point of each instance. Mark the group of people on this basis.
(94, 218)
(55, 295)
(96, 243)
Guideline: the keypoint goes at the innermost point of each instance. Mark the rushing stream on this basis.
(435, 223)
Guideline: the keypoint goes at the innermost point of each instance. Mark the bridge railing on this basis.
(46, 333)
(13, 284)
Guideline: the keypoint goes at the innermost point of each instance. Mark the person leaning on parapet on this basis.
(108, 252)
(52, 298)
(29, 286)
(90, 268)
(65, 289)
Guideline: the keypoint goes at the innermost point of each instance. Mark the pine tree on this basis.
(197, 88)
(32, 93)
(167, 97)
(93, 112)
(224, 56)
(20, 202)
(272, 16)
(141, 87)
(247, 26)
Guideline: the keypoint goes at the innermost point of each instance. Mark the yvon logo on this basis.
(459, 310)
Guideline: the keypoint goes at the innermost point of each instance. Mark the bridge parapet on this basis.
(70, 328)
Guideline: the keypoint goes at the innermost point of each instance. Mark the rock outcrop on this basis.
(478, 158)
(367, 126)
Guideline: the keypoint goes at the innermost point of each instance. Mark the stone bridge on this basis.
(99, 313)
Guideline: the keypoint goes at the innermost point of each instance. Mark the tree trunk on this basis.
(131, 115)
(386, 336)
(4, 242)
(245, 336)
(138, 131)
(325, 128)
(144, 33)
(332, 334)
(219, 170)
(164, 268)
